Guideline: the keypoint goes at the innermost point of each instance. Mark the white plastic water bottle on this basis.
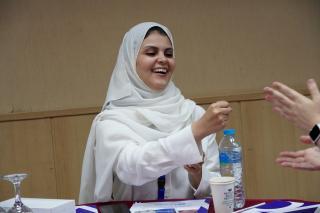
(230, 155)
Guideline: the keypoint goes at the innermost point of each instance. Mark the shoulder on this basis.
(198, 111)
(107, 120)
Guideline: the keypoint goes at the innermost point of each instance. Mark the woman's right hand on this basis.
(212, 121)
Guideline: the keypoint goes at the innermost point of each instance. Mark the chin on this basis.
(159, 85)
(159, 88)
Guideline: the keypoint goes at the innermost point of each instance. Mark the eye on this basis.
(169, 53)
(149, 53)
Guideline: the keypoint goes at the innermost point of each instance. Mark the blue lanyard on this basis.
(161, 189)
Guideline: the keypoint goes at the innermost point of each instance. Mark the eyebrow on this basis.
(154, 47)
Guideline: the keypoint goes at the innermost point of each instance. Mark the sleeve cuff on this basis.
(183, 147)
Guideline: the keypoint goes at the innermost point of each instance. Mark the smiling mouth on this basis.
(161, 71)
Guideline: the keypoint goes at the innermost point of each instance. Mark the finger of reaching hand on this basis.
(268, 91)
(280, 99)
(303, 166)
(291, 154)
(281, 160)
(287, 91)
(276, 98)
(290, 159)
(313, 88)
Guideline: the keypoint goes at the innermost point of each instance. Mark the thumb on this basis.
(313, 88)
(305, 139)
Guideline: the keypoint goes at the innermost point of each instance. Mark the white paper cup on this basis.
(222, 189)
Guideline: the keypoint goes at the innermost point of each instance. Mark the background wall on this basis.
(56, 58)
(60, 54)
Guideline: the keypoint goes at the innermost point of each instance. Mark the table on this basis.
(124, 206)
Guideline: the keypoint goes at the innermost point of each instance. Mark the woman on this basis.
(149, 142)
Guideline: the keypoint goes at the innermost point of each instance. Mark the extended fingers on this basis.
(283, 159)
(313, 88)
(298, 165)
(291, 154)
(277, 98)
(285, 90)
(294, 160)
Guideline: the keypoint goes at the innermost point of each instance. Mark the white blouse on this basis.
(137, 167)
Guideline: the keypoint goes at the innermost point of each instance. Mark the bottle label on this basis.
(230, 157)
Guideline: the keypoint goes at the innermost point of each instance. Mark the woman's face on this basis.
(155, 62)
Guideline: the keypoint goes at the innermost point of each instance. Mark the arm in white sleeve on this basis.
(210, 167)
(211, 163)
(140, 162)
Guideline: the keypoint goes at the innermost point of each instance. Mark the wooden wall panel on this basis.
(51, 150)
(265, 135)
(60, 54)
(70, 137)
(26, 146)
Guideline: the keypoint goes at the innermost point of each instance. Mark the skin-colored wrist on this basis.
(195, 180)
(197, 132)
(316, 120)
(194, 173)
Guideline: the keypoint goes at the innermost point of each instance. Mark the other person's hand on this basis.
(297, 108)
(307, 159)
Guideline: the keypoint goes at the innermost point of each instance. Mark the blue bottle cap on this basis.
(229, 131)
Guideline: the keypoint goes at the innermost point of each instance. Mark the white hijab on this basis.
(129, 100)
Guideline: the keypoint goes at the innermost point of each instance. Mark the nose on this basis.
(162, 58)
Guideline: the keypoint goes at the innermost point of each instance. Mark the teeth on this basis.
(160, 70)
